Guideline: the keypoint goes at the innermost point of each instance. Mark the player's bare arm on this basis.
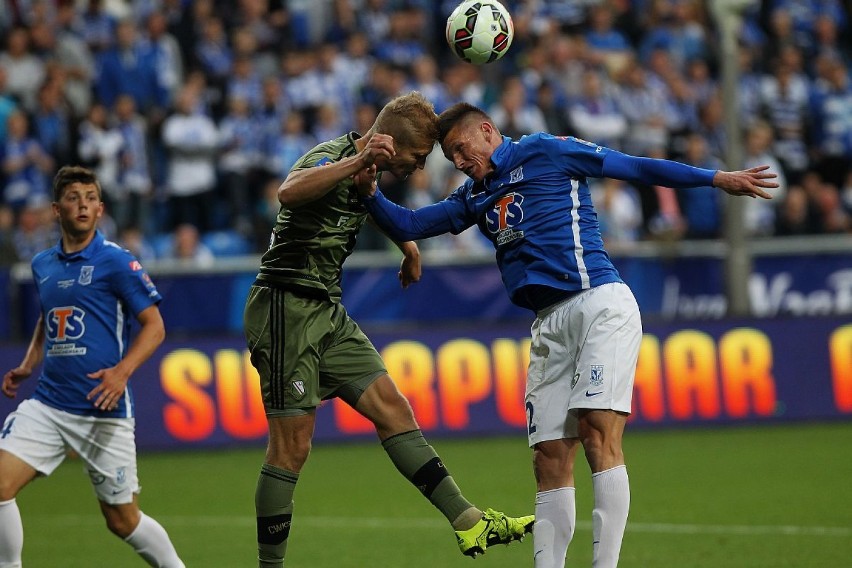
(304, 186)
(410, 269)
(113, 380)
(751, 182)
(35, 352)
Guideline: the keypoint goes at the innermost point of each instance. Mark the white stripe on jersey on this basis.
(119, 327)
(575, 228)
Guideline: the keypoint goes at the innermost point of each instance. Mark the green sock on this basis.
(273, 503)
(417, 461)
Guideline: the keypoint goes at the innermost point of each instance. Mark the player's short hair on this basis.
(69, 175)
(410, 119)
(457, 113)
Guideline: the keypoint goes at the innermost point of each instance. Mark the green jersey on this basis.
(310, 242)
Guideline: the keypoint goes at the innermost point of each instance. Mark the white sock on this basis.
(151, 541)
(555, 517)
(609, 517)
(11, 535)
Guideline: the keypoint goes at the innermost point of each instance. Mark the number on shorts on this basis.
(530, 425)
(7, 429)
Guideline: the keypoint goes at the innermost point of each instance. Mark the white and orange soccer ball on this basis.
(480, 31)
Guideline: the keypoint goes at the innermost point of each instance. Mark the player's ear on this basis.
(487, 130)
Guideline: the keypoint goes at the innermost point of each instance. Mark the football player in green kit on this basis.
(306, 348)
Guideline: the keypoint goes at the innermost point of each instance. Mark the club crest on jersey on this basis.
(298, 389)
(506, 213)
(516, 175)
(596, 377)
(86, 275)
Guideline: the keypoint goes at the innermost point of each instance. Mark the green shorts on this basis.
(305, 351)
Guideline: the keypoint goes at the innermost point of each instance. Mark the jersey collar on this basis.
(86, 253)
(501, 156)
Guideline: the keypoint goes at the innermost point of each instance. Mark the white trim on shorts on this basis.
(41, 436)
(582, 356)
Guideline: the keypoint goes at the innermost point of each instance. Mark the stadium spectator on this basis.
(702, 210)
(7, 105)
(833, 216)
(212, 51)
(240, 161)
(796, 215)
(35, 230)
(513, 113)
(131, 67)
(97, 27)
(587, 322)
(165, 51)
(82, 400)
(99, 147)
(187, 248)
(302, 360)
(24, 70)
(135, 165)
(8, 253)
(52, 122)
(288, 145)
(830, 104)
(133, 239)
(192, 141)
(60, 46)
(619, 211)
(646, 110)
(760, 214)
(784, 104)
(24, 162)
(595, 114)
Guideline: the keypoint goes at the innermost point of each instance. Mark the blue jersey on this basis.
(536, 209)
(87, 301)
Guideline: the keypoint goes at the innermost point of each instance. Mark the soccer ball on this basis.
(480, 31)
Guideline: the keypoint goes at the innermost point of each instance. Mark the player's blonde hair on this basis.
(410, 119)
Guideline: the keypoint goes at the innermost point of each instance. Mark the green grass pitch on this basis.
(769, 497)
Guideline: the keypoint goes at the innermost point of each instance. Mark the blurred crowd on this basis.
(193, 111)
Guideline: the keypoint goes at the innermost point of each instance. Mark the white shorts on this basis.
(41, 436)
(582, 356)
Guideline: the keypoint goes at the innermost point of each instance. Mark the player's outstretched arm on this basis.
(751, 182)
(35, 352)
(310, 184)
(113, 380)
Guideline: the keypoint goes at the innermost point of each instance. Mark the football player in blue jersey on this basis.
(531, 199)
(88, 288)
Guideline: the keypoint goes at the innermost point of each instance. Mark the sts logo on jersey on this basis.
(507, 213)
(65, 324)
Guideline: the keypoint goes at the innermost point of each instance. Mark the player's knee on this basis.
(395, 414)
(9, 488)
(601, 450)
(121, 525)
(552, 469)
(290, 455)
(7, 492)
